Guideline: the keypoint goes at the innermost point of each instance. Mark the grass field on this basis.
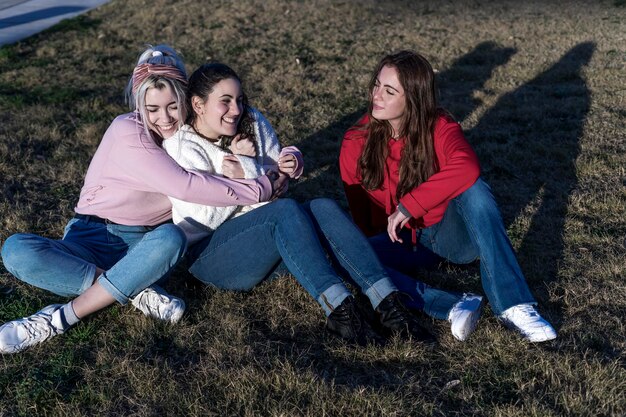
(540, 90)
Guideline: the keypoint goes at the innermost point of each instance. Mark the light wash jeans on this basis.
(471, 228)
(133, 257)
(245, 250)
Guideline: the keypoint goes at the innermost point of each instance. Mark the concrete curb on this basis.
(20, 19)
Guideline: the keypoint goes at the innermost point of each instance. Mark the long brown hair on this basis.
(418, 161)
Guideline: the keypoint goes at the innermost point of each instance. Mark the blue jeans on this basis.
(133, 257)
(245, 250)
(471, 228)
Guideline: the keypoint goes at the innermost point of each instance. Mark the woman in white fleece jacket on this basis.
(236, 247)
(192, 151)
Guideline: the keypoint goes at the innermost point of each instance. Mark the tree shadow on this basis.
(527, 144)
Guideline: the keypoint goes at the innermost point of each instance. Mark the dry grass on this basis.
(539, 89)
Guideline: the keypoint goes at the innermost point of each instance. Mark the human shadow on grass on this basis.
(469, 74)
(527, 144)
(310, 348)
(457, 84)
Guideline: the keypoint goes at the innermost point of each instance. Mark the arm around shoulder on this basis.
(150, 168)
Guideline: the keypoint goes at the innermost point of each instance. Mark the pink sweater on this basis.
(130, 177)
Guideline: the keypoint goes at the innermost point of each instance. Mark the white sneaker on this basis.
(464, 315)
(155, 302)
(17, 335)
(525, 319)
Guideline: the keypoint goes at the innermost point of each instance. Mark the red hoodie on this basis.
(458, 171)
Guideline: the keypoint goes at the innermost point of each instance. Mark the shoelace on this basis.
(457, 306)
(35, 327)
(350, 315)
(355, 320)
(395, 311)
(162, 301)
(527, 310)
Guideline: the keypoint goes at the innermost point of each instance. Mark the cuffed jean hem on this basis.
(332, 297)
(89, 279)
(379, 290)
(112, 289)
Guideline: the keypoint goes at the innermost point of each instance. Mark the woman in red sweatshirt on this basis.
(413, 185)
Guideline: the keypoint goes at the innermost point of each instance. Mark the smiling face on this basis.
(219, 113)
(162, 111)
(388, 98)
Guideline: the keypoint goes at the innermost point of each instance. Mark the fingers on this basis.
(231, 167)
(241, 146)
(287, 159)
(278, 193)
(245, 147)
(393, 234)
(404, 222)
(287, 164)
(394, 222)
(280, 186)
(391, 231)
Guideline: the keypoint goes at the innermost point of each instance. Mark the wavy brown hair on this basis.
(418, 161)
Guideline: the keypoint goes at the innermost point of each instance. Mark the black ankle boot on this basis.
(346, 322)
(395, 317)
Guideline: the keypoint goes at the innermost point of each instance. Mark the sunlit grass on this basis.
(539, 89)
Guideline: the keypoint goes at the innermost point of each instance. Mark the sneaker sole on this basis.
(471, 326)
(533, 338)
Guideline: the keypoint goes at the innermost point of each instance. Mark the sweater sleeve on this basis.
(269, 146)
(459, 170)
(251, 169)
(292, 150)
(196, 219)
(138, 157)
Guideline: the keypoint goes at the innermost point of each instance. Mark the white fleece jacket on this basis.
(193, 152)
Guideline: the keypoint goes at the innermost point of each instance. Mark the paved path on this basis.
(22, 18)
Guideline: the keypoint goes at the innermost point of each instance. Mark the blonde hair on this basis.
(136, 95)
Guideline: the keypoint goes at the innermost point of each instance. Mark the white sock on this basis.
(65, 317)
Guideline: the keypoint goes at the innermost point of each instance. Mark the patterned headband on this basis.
(143, 71)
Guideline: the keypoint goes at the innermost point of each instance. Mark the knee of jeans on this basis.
(463, 256)
(172, 239)
(287, 207)
(14, 251)
(290, 214)
(324, 204)
(479, 199)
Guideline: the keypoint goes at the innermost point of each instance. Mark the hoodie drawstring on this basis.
(414, 237)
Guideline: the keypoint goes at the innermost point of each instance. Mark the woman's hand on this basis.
(287, 164)
(279, 185)
(394, 222)
(231, 167)
(242, 146)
